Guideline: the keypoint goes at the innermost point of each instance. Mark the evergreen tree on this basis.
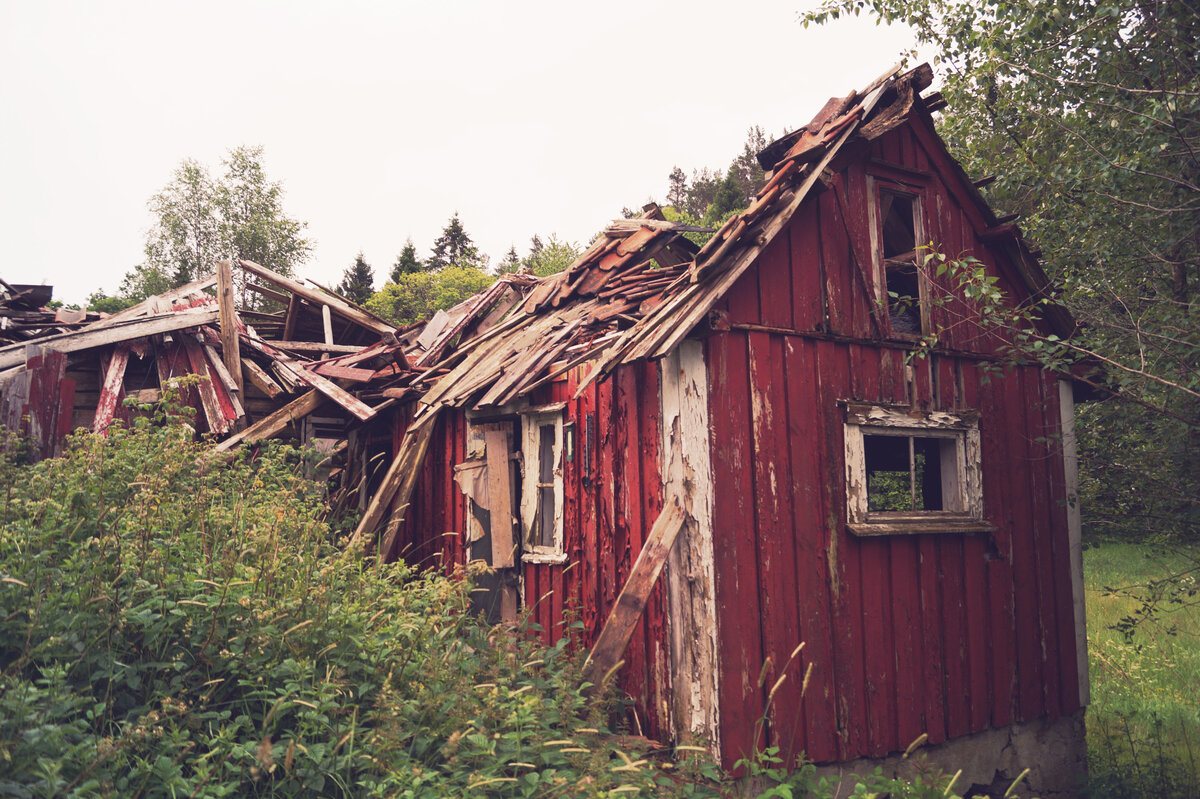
(455, 248)
(511, 261)
(727, 199)
(677, 188)
(358, 281)
(407, 262)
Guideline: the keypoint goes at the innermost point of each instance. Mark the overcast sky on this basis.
(383, 119)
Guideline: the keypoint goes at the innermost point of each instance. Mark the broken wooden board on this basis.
(614, 637)
(336, 304)
(498, 446)
(112, 391)
(275, 423)
(88, 338)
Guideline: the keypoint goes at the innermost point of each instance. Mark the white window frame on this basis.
(532, 420)
(962, 481)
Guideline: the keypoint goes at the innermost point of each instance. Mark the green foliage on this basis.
(551, 256)
(199, 220)
(104, 303)
(1143, 725)
(713, 198)
(171, 626)
(357, 281)
(407, 262)
(455, 248)
(419, 295)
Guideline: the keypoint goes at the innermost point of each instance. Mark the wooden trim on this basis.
(891, 344)
(497, 448)
(1066, 406)
(919, 527)
(686, 470)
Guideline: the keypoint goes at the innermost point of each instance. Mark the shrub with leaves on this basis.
(171, 625)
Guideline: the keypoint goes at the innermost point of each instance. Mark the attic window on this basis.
(898, 232)
(912, 471)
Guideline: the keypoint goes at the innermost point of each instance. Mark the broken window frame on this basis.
(537, 461)
(911, 188)
(961, 474)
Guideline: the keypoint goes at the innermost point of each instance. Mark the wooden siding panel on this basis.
(812, 549)
(808, 312)
(737, 578)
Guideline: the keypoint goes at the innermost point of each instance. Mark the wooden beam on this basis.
(230, 350)
(614, 637)
(89, 338)
(392, 480)
(275, 423)
(318, 346)
(110, 393)
(335, 303)
(270, 294)
(164, 300)
(260, 379)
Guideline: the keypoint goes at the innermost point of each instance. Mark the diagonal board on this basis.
(618, 628)
(416, 444)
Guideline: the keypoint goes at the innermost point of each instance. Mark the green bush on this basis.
(174, 626)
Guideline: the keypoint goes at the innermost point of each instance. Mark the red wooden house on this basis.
(909, 520)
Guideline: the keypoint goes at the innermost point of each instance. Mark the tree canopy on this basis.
(420, 295)
(407, 262)
(455, 248)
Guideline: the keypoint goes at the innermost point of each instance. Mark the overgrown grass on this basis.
(1144, 719)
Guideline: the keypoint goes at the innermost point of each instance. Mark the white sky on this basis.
(383, 119)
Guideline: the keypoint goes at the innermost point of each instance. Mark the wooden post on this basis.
(327, 322)
(230, 353)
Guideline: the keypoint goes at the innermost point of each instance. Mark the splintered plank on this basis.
(409, 454)
(275, 423)
(214, 410)
(619, 626)
(259, 378)
(336, 304)
(113, 389)
(412, 452)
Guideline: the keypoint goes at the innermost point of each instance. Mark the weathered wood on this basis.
(230, 351)
(335, 303)
(260, 379)
(270, 294)
(610, 646)
(89, 338)
(318, 346)
(498, 446)
(271, 425)
(112, 390)
(163, 301)
(218, 421)
(412, 455)
(391, 480)
(1066, 408)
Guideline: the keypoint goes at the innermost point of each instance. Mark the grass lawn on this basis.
(1144, 719)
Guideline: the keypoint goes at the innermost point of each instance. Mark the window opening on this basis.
(912, 471)
(900, 231)
(544, 534)
(542, 495)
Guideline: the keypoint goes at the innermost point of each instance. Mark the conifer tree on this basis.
(454, 248)
(358, 281)
(407, 262)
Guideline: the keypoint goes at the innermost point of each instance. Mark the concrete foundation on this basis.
(1054, 752)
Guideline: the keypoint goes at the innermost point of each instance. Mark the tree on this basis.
(677, 188)
(1089, 117)
(358, 281)
(511, 262)
(419, 295)
(407, 262)
(199, 220)
(455, 248)
(727, 200)
(551, 257)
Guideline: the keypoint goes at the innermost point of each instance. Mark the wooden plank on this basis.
(1070, 456)
(275, 423)
(146, 307)
(218, 422)
(230, 350)
(327, 324)
(113, 389)
(395, 477)
(319, 346)
(270, 294)
(1040, 487)
(413, 451)
(291, 316)
(334, 303)
(86, 339)
(498, 446)
(330, 389)
(340, 372)
(740, 696)
(259, 378)
(618, 628)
